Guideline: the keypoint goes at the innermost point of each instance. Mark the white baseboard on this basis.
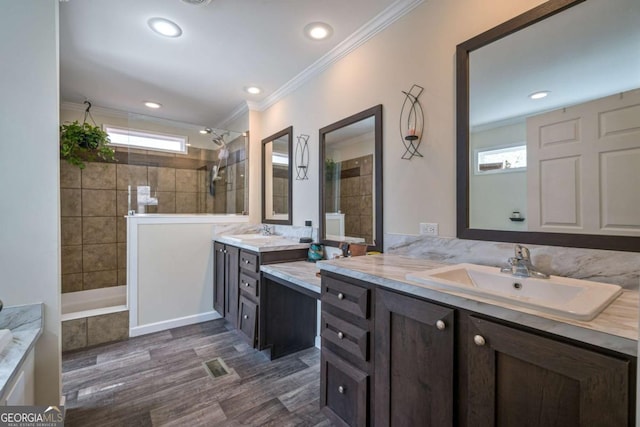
(173, 323)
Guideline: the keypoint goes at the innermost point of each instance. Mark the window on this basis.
(498, 160)
(146, 140)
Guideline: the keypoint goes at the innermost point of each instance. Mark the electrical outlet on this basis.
(429, 228)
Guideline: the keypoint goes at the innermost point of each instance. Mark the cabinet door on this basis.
(231, 284)
(218, 277)
(517, 378)
(414, 362)
(248, 319)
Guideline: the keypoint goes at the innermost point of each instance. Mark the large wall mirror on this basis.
(548, 127)
(351, 180)
(276, 178)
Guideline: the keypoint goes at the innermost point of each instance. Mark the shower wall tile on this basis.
(74, 334)
(71, 230)
(99, 257)
(71, 259)
(70, 175)
(166, 202)
(99, 279)
(99, 230)
(107, 328)
(98, 203)
(122, 255)
(122, 277)
(186, 180)
(163, 179)
(99, 176)
(121, 230)
(186, 202)
(70, 202)
(71, 282)
(130, 175)
(122, 202)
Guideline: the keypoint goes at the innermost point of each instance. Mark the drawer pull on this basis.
(441, 325)
(479, 340)
(341, 390)
(340, 295)
(246, 316)
(245, 283)
(340, 335)
(246, 261)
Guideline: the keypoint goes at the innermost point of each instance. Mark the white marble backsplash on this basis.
(620, 268)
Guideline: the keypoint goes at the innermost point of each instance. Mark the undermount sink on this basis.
(562, 296)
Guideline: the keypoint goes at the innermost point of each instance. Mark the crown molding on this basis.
(385, 18)
(241, 109)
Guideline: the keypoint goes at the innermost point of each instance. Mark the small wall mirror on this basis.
(276, 177)
(351, 180)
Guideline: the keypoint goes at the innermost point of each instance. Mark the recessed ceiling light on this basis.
(153, 105)
(164, 27)
(539, 95)
(205, 131)
(253, 90)
(318, 30)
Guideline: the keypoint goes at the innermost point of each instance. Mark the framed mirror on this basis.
(276, 178)
(351, 180)
(548, 128)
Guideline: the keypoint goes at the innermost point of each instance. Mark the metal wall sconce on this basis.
(412, 122)
(302, 157)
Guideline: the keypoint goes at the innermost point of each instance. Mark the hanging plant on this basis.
(84, 142)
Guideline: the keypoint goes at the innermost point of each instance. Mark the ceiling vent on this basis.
(197, 2)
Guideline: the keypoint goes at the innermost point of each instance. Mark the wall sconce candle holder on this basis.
(412, 122)
(302, 157)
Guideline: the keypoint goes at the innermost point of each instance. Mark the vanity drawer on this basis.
(345, 335)
(346, 296)
(344, 391)
(249, 261)
(249, 284)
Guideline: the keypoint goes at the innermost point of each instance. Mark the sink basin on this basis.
(6, 337)
(562, 296)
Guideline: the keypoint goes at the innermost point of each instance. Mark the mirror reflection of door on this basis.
(276, 163)
(349, 185)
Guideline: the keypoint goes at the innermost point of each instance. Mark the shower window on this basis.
(146, 140)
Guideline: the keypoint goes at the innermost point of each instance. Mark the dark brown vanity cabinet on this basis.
(395, 359)
(347, 350)
(239, 288)
(414, 362)
(518, 378)
(225, 282)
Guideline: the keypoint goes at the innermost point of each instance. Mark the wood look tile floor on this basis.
(160, 380)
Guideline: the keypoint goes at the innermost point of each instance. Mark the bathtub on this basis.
(95, 302)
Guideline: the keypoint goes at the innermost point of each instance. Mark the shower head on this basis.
(219, 139)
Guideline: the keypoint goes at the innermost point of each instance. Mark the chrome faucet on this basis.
(520, 264)
(266, 230)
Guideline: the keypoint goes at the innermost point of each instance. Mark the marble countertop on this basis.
(300, 273)
(26, 324)
(271, 244)
(616, 328)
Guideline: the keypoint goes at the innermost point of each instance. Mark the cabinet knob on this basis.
(340, 295)
(246, 316)
(479, 340)
(220, 250)
(341, 389)
(340, 335)
(246, 284)
(441, 325)
(246, 261)
(225, 251)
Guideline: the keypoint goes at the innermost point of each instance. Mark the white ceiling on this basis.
(109, 55)
(586, 52)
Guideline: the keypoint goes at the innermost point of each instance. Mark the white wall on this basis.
(420, 49)
(29, 175)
